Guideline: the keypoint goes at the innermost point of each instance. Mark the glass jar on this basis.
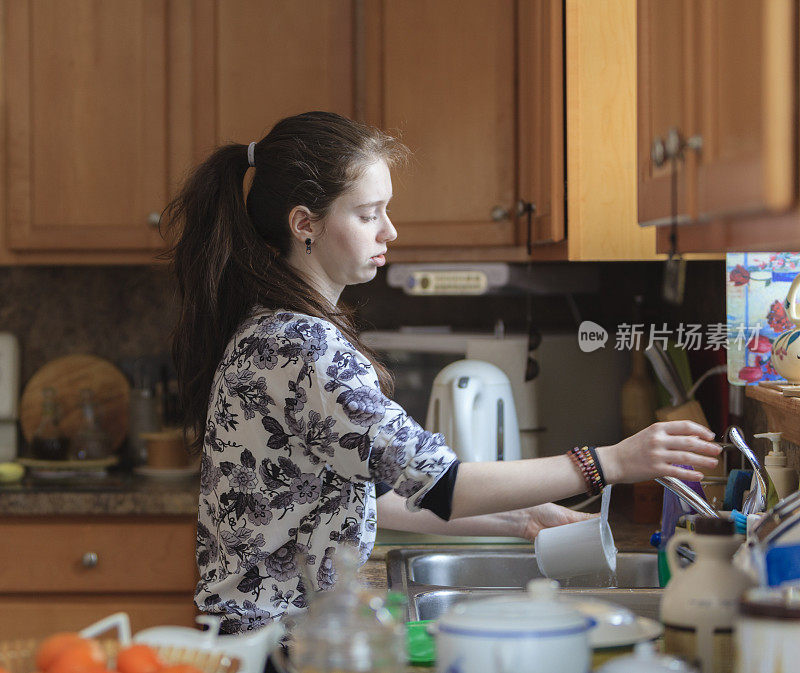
(349, 629)
(48, 441)
(91, 441)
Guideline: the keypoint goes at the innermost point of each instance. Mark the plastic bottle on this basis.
(350, 628)
(782, 479)
(700, 603)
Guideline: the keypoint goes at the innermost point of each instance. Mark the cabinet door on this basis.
(540, 36)
(268, 59)
(41, 615)
(745, 106)
(87, 124)
(666, 73)
(441, 73)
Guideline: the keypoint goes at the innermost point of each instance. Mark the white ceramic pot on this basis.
(786, 348)
(529, 633)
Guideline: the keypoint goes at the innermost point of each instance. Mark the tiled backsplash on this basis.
(120, 313)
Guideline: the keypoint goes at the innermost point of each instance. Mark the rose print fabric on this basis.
(296, 434)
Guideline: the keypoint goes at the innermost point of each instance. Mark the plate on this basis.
(167, 472)
(60, 469)
(69, 465)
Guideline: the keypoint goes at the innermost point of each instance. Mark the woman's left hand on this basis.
(547, 515)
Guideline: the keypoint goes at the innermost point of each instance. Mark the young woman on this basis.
(292, 412)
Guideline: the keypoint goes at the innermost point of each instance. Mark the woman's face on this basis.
(352, 239)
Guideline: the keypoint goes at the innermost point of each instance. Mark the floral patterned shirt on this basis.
(297, 432)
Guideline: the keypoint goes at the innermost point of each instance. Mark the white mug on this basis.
(580, 548)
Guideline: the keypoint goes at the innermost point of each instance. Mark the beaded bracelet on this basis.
(585, 458)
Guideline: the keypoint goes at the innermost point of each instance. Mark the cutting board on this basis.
(68, 375)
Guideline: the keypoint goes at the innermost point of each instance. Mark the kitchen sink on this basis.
(434, 581)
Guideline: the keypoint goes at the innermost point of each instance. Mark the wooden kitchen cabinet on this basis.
(65, 573)
(88, 146)
(449, 75)
(475, 89)
(269, 59)
(722, 74)
(519, 101)
(106, 105)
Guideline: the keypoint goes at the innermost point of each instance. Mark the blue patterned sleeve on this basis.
(364, 435)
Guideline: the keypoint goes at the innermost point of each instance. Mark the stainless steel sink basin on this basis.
(513, 570)
(434, 581)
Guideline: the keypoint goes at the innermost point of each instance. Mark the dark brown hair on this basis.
(229, 255)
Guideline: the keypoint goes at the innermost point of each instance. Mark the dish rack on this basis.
(18, 656)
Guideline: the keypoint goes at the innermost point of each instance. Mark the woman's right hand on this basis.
(658, 451)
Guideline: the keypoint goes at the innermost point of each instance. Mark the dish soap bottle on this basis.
(700, 604)
(347, 629)
(782, 479)
(48, 441)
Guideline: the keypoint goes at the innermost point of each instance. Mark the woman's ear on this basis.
(301, 224)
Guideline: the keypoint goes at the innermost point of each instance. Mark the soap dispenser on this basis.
(782, 479)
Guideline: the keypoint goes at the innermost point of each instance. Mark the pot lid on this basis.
(645, 659)
(538, 612)
(616, 626)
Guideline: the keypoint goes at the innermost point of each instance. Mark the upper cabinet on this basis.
(475, 90)
(521, 115)
(268, 59)
(88, 158)
(108, 104)
(717, 122)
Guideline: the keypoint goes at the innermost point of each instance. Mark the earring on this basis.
(308, 246)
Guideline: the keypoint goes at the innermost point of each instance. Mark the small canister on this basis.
(767, 632)
(524, 633)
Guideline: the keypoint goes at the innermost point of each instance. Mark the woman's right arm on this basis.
(659, 450)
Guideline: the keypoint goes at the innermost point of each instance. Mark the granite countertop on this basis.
(114, 494)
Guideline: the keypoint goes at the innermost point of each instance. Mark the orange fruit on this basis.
(139, 658)
(181, 668)
(52, 646)
(85, 656)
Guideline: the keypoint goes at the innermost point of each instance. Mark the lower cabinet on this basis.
(65, 573)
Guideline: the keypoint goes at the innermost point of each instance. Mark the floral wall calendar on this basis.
(756, 287)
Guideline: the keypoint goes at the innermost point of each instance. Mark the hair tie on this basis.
(251, 154)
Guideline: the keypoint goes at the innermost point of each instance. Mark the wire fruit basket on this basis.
(19, 656)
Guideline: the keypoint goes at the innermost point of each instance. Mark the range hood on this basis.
(494, 278)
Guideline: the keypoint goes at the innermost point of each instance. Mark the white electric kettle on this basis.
(473, 407)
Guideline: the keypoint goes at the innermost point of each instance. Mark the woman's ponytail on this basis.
(230, 255)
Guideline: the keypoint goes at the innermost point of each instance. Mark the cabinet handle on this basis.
(528, 208)
(658, 153)
(499, 214)
(675, 144)
(89, 559)
(154, 219)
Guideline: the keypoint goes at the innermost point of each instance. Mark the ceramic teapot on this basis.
(786, 348)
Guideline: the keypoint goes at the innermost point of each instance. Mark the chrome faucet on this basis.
(688, 496)
(756, 500)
